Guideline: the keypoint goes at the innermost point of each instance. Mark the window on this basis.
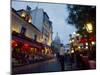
(30, 20)
(35, 37)
(23, 30)
(23, 14)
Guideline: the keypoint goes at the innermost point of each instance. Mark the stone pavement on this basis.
(51, 65)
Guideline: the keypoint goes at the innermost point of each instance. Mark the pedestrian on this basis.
(61, 57)
(58, 57)
(78, 60)
(30, 59)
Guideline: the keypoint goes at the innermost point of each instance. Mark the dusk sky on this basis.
(57, 14)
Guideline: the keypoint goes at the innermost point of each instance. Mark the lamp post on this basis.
(89, 29)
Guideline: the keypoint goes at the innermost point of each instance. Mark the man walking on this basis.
(61, 57)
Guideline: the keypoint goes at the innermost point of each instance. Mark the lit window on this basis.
(23, 14)
(30, 20)
(79, 47)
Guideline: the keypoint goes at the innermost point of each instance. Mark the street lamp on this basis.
(86, 47)
(92, 42)
(86, 44)
(77, 34)
(74, 33)
(89, 27)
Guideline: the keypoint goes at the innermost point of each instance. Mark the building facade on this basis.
(41, 20)
(21, 24)
(27, 37)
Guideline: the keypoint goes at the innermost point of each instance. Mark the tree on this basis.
(79, 15)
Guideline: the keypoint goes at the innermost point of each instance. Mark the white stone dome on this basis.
(57, 39)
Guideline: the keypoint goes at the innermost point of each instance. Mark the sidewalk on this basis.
(51, 65)
(70, 67)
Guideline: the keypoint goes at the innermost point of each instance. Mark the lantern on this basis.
(89, 27)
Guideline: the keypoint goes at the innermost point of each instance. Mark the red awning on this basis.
(92, 38)
(83, 40)
(24, 41)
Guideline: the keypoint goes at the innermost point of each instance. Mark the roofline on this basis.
(46, 14)
(24, 20)
(20, 10)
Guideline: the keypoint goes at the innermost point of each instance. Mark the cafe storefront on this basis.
(21, 44)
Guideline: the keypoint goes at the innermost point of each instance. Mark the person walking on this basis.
(78, 60)
(61, 57)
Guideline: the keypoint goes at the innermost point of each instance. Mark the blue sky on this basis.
(57, 13)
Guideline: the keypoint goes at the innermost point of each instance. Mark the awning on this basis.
(29, 42)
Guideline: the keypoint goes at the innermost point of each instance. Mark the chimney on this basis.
(28, 8)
